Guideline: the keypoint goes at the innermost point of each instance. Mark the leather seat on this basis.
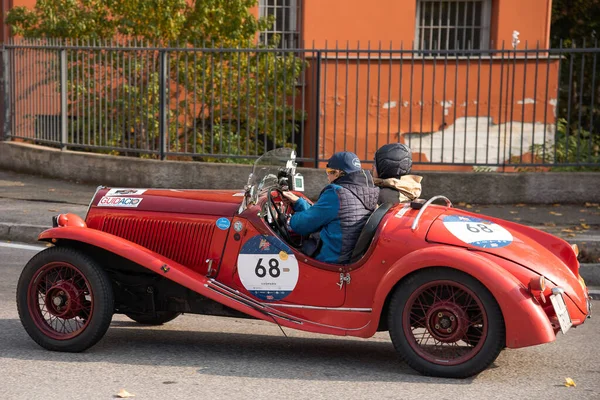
(368, 231)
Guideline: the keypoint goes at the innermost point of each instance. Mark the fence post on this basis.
(162, 107)
(317, 108)
(6, 116)
(63, 100)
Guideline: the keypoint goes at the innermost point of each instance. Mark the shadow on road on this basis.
(230, 354)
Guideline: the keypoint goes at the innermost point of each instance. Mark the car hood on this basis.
(207, 202)
(529, 247)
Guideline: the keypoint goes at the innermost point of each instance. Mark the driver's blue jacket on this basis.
(339, 215)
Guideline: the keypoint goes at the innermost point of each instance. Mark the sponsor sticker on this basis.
(223, 224)
(267, 268)
(125, 192)
(113, 201)
(478, 232)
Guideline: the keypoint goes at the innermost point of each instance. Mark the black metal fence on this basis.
(494, 108)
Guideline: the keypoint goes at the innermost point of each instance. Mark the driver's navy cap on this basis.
(344, 161)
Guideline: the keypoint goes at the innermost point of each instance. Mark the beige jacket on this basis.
(408, 186)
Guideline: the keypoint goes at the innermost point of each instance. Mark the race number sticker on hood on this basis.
(478, 232)
(119, 201)
(267, 268)
(125, 192)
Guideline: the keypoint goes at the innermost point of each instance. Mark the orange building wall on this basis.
(394, 20)
(422, 100)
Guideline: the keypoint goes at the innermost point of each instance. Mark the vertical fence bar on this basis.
(523, 103)
(358, 62)
(581, 82)
(568, 127)
(444, 101)
(162, 107)
(238, 99)
(63, 99)
(500, 104)
(410, 96)
(346, 96)
(535, 80)
(367, 99)
(335, 96)
(512, 104)
(434, 63)
(389, 112)
(593, 91)
(7, 91)
(317, 105)
(377, 102)
(466, 116)
(325, 98)
(400, 103)
(422, 105)
(546, 106)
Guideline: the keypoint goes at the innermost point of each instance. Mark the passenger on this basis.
(392, 166)
(341, 211)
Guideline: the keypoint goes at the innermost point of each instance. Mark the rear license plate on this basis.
(560, 308)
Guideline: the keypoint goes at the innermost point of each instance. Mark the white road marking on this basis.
(22, 246)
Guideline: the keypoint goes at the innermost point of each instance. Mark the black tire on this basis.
(161, 317)
(71, 280)
(445, 297)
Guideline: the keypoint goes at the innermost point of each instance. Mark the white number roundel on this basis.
(267, 268)
(478, 232)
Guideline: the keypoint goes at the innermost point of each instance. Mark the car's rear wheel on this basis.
(445, 323)
(158, 318)
(65, 300)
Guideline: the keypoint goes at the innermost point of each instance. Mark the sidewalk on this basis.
(27, 204)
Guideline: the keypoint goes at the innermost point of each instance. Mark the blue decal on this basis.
(223, 223)
(264, 245)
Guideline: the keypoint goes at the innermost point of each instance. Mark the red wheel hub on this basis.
(64, 300)
(447, 322)
(60, 300)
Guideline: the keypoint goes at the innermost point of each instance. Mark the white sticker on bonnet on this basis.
(125, 192)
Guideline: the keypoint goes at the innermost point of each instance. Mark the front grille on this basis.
(184, 242)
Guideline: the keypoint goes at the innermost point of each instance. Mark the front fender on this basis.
(147, 259)
(526, 322)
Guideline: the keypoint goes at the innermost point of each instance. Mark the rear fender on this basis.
(525, 321)
(147, 259)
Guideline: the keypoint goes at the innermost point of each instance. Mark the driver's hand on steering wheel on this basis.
(290, 196)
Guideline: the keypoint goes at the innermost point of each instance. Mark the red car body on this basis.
(198, 240)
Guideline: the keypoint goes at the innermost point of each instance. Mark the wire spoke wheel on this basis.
(65, 300)
(60, 300)
(445, 323)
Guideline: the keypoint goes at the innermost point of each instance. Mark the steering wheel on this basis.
(280, 217)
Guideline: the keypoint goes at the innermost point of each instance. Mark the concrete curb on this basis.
(21, 232)
(590, 273)
(29, 234)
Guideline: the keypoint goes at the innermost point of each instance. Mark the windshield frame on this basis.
(265, 171)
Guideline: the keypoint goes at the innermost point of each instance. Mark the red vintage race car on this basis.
(453, 288)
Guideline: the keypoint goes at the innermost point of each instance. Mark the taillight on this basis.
(537, 286)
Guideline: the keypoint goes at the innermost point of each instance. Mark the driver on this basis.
(341, 211)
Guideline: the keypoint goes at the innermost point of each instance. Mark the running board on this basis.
(247, 300)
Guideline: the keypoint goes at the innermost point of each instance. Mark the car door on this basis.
(257, 262)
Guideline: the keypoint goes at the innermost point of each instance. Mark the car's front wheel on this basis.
(65, 300)
(445, 323)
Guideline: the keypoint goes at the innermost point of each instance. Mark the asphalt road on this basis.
(199, 357)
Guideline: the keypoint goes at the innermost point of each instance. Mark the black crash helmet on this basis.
(393, 160)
